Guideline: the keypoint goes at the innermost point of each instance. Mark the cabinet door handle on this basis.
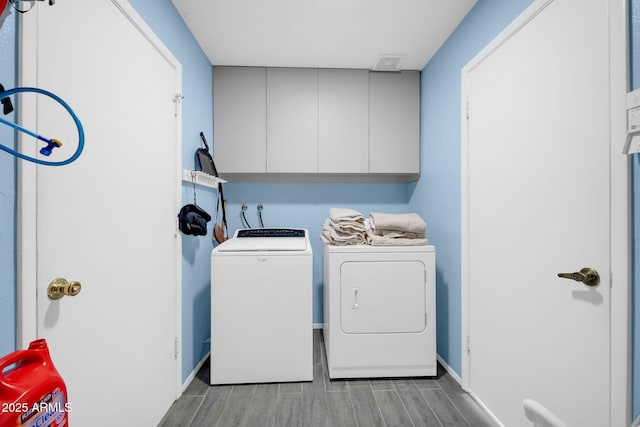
(354, 297)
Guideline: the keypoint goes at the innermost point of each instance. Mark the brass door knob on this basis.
(588, 276)
(60, 287)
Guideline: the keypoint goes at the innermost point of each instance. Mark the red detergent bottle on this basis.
(32, 393)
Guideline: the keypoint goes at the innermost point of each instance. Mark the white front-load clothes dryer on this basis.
(380, 311)
(261, 307)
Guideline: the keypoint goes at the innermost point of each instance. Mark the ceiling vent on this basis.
(388, 63)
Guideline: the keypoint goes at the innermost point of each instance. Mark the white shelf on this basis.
(201, 178)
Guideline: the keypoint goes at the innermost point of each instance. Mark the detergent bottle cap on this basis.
(40, 344)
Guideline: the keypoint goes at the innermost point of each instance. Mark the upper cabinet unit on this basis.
(239, 120)
(292, 120)
(394, 123)
(343, 121)
(306, 124)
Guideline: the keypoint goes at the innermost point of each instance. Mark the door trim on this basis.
(26, 316)
(620, 219)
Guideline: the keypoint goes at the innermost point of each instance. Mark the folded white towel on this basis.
(403, 223)
(348, 226)
(376, 240)
(399, 234)
(345, 215)
(336, 237)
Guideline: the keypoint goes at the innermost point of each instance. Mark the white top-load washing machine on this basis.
(379, 311)
(261, 307)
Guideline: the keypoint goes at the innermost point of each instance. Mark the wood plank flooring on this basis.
(427, 401)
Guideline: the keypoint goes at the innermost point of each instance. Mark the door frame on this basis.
(27, 315)
(620, 207)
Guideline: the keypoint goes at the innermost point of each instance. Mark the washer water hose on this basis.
(244, 208)
(51, 142)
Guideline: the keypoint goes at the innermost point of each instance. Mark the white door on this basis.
(538, 205)
(108, 219)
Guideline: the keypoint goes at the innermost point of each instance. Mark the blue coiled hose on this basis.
(51, 143)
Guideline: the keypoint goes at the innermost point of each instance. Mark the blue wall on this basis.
(634, 9)
(7, 192)
(436, 196)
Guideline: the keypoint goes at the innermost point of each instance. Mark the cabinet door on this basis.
(292, 120)
(239, 119)
(343, 121)
(394, 122)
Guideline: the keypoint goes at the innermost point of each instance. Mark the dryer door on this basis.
(383, 297)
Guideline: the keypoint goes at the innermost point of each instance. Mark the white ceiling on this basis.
(321, 33)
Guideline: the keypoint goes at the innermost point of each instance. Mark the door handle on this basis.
(60, 287)
(588, 276)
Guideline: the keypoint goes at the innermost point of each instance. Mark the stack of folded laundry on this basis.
(350, 227)
(396, 230)
(345, 227)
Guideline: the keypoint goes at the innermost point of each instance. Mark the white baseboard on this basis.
(485, 409)
(636, 423)
(318, 325)
(193, 373)
(450, 370)
(457, 378)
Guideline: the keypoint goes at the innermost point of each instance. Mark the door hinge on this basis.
(177, 99)
(176, 348)
(468, 343)
(467, 110)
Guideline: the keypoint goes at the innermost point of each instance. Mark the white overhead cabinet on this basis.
(292, 120)
(394, 123)
(309, 124)
(240, 120)
(343, 121)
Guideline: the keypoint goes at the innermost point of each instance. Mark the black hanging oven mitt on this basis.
(192, 220)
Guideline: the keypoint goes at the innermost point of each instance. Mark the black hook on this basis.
(7, 106)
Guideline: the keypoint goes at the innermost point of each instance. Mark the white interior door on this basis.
(108, 220)
(538, 204)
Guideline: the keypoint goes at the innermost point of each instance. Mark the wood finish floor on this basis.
(432, 401)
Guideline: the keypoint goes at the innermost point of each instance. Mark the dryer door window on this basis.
(383, 297)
